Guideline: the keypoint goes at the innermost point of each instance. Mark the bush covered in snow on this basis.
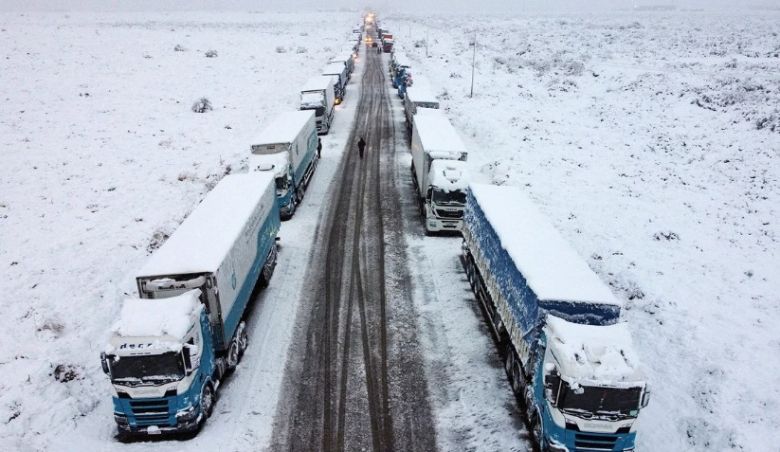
(211, 54)
(202, 105)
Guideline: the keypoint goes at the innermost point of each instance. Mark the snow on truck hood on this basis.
(154, 324)
(589, 353)
(277, 163)
(551, 267)
(449, 175)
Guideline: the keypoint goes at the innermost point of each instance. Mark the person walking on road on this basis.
(361, 146)
(319, 147)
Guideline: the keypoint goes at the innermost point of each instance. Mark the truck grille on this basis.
(449, 213)
(150, 412)
(585, 442)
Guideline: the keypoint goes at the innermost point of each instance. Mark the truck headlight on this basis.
(120, 419)
(187, 414)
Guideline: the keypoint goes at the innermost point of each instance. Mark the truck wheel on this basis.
(233, 354)
(207, 401)
(243, 339)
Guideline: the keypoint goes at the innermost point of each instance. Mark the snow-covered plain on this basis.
(652, 142)
(102, 159)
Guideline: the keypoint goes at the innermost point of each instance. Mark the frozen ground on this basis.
(652, 141)
(102, 158)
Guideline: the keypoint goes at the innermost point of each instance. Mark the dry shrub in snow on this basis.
(301, 50)
(202, 105)
(280, 49)
(179, 48)
(158, 238)
(211, 54)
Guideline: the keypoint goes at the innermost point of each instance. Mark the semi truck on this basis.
(339, 73)
(318, 94)
(345, 58)
(287, 148)
(438, 171)
(172, 345)
(567, 355)
(418, 96)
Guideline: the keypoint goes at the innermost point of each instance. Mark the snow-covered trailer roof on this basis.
(590, 353)
(206, 236)
(318, 83)
(154, 324)
(437, 136)
(333, 68)
(284, 129)
(449, 175)
(421, 92)
(551, 268)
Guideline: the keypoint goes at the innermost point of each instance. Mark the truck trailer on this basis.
(339, 73)
(420, 95)
(172, 346)
(287, 148)
(567, 355)
(318, 94)
(438, 171)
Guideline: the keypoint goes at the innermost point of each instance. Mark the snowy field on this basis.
(652, 140)
(102, 159)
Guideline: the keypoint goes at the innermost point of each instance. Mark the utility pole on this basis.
(473, 63)
(426, 42)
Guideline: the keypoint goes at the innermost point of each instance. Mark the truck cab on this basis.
(592, 389)
(446, 195)
(160, 363)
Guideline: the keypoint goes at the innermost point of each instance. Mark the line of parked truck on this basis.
(173, 344)
(568, 357)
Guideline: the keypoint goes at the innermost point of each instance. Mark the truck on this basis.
(318, 94)
(339, 73)
(287, 148)
(420, 95)
(345, 58)
(186, 330)
(387, 43)
(439, 172)
(568, 357)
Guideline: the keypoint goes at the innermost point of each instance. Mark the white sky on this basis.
(445, 6)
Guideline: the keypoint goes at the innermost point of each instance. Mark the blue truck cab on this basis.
(186, 330)
(568, 356)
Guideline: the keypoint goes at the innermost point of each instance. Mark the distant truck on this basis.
(339, 73)
(318, 94)
(287, 148)
(172, 346)
(347, 60)
(439, 172)
(556, 325)
(418, 96)
(387, 44)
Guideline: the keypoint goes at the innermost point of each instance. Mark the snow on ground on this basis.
(651, 140)
(102, 159)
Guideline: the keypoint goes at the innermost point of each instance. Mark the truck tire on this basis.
(207, 400)
(233, 355)
(243, 338)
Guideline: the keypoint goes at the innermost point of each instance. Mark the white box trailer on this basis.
(441, 187)
(287, 147)
(318, 94)
(419, 95)
(339, 72)
(344, 58)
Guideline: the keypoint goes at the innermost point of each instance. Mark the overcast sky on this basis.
(380, 5)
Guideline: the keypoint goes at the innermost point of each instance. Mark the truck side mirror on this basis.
(645, 397)
(104, 363)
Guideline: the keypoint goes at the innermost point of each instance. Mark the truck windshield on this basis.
(594, 401)
(448, 198)
(163, 367)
